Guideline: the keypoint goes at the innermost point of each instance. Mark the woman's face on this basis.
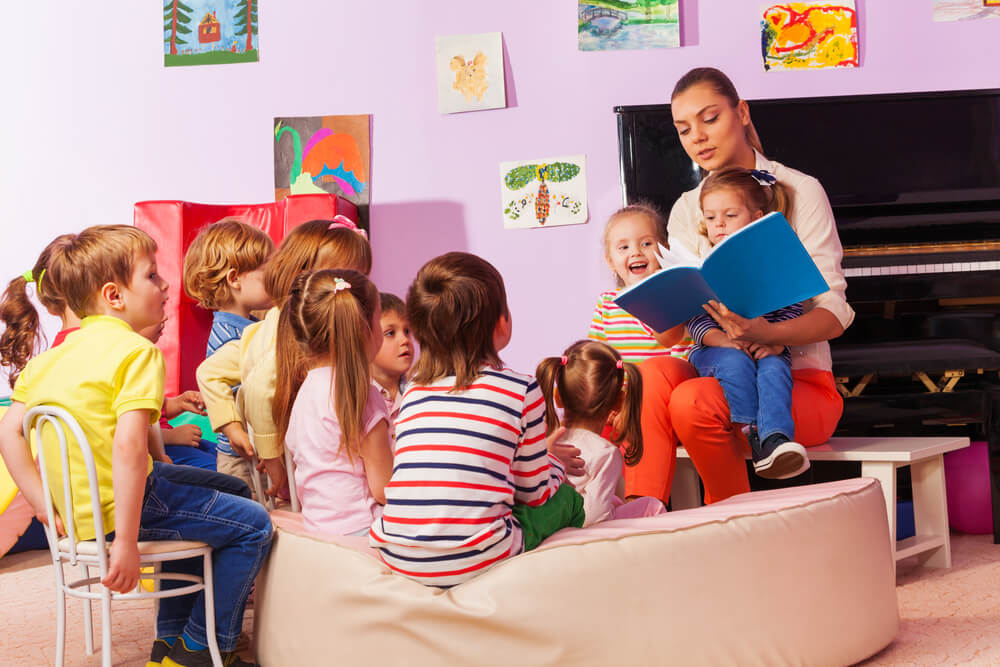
(712, 132)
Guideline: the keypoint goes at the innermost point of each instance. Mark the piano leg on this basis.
(991, 419)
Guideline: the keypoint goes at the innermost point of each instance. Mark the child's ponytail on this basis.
(21, 334)
(631, 414)
(327, 319)
(545, 374)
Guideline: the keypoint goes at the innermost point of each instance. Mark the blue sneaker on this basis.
(777, 457)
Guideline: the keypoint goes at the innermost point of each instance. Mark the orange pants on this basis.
(679, 406)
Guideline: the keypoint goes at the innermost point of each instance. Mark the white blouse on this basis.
(812, 219)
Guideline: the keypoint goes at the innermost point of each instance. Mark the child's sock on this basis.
(169, 640)
(193, 645)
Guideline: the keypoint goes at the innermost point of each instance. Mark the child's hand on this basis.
(759, 351)
(186, 434)
(43, 519)
(123, 568)
(275, 469)
(239, 439)
(567, 454)
(189, 401)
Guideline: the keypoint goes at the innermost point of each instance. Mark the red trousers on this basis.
(679, 406)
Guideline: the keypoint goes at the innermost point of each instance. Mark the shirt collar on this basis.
(104, 320)
(231, 318)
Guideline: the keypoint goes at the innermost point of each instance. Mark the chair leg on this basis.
(213, 642)
(60, 622)
(105, 627)
(88, 615)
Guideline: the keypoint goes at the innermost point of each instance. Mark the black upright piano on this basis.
(914, 181)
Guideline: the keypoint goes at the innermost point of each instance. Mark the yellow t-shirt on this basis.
(97, 374)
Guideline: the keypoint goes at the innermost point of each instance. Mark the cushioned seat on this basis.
(794, 576)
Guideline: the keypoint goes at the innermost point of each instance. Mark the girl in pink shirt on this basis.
(336, 428)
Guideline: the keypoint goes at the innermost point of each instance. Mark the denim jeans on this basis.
(758, 391)
(239, 532)
(202, 456)
(195, 476)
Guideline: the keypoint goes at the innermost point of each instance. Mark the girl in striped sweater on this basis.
(630, 239)
(472, 481)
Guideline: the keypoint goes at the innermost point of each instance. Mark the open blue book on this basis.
(760, 268)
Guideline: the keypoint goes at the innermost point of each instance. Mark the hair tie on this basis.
(347, 223)
(28, 278)
(564, 359)
(763, 177)
(340, 284)
(618, 364)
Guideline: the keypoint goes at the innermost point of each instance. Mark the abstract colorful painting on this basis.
(209, 32)
(966, 10)
(324, 154)
(809, 35)
(544, 193)
(470, 72)
(627, 24)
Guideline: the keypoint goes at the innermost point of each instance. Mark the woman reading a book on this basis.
(714, 127)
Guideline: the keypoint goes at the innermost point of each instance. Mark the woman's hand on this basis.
(737, 327)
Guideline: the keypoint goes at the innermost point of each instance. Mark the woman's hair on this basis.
(315, 245)
(643, 207)
(227, 245)
(723, 86)
(756, 195)
(21, 327)
(453, 306)
(326, 320)
(591, 378)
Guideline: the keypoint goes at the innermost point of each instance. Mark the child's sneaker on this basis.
(181, 656)
(160, 650)
(778, 457)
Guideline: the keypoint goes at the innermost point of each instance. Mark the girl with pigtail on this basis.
(329, 414)
(597, 390)
(22, 333)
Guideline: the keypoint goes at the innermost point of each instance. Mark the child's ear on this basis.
(112, 295)
(758, 215)
(232, 279)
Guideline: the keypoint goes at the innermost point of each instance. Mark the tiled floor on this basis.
(949, 617)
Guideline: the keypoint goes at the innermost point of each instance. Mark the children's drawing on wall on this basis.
(315, 154)
(209, 32)
(809, 35)
(627, 24)
(966, 10)
(470, 72)
(544, 193)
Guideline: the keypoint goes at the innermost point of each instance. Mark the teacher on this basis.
(716, 131)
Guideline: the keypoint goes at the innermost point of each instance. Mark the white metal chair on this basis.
(94, 553)
(258, 479)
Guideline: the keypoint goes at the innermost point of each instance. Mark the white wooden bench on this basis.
(879, 458)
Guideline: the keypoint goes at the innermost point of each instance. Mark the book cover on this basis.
(760, 268)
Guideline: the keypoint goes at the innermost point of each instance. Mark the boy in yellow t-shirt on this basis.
(111, 379)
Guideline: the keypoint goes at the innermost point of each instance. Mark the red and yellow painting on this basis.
(809, 35)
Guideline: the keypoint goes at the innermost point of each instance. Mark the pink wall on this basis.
(93, 122)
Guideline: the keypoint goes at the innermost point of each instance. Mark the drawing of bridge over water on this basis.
(602, 20)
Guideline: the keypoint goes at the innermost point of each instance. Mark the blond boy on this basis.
(111, 379)
(395, 357)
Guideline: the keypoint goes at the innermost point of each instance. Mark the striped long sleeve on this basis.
(634, 340)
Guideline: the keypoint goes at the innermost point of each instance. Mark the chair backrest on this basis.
(60, 420)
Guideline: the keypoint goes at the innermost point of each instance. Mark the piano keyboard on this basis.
(913, 269)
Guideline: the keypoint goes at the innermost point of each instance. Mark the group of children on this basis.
(445, 466)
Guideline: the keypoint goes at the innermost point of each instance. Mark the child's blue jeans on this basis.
(239, 532)
(758, 391)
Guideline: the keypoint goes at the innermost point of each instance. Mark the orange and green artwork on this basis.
(966, 10)
(316, 154)
(809, 35)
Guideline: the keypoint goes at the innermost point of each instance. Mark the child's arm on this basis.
(537, 474)
(128, 475)
(376, 452)
(20, 463)
(706, 331)
(670, 337)
(217, 376)
(156, 441)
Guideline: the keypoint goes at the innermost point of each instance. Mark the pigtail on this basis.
(631, 414)
(351, 333)
(781, 199)
(545, 374)
(290, 367)
(21, 333)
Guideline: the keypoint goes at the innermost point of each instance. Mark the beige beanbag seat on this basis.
(795, 576)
